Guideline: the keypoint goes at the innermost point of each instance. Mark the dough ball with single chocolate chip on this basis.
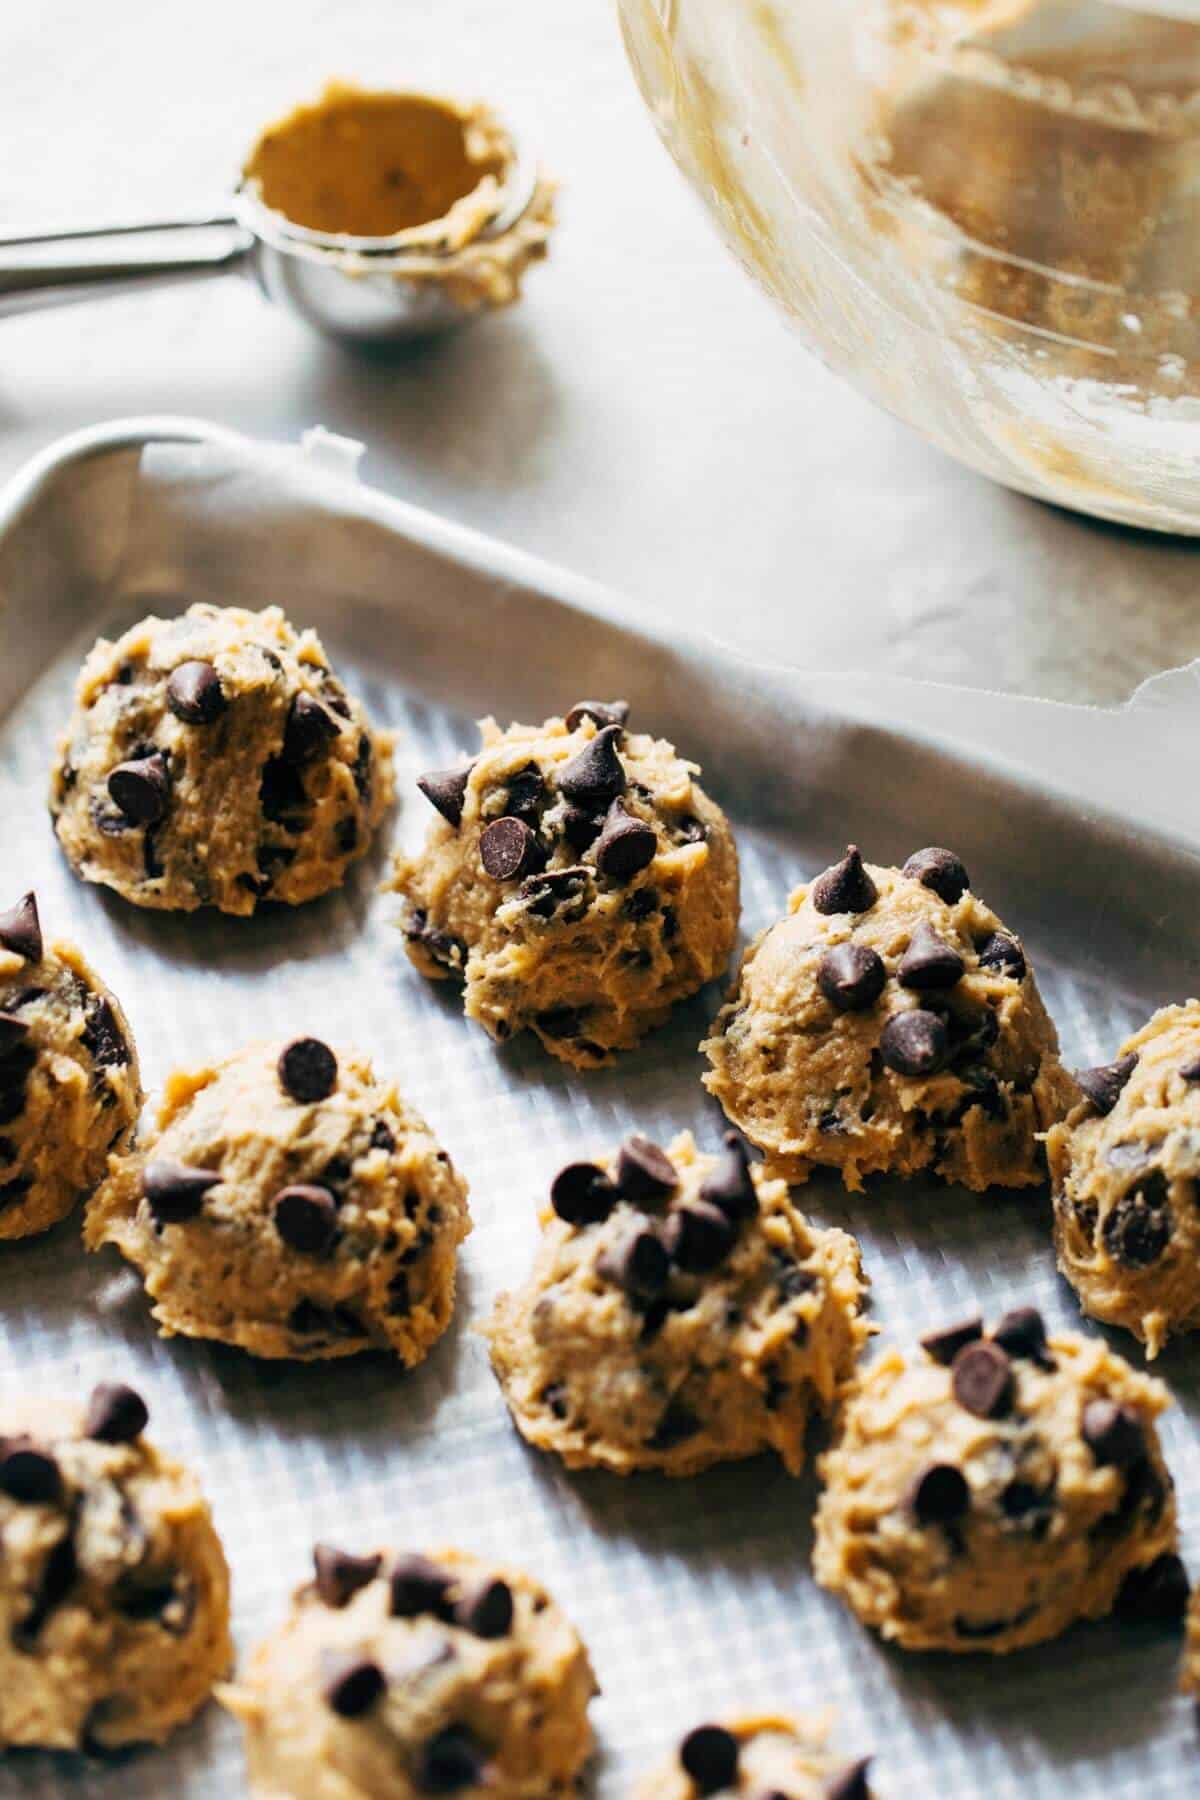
(1125, 1166)
(395, 1677)
(680, 1312)
(114, 1592)
(69, 1086)
(290, 1202)
(216, 760)
(890, 1024)
(987, 1490)
(766, 1757)
(578, 881)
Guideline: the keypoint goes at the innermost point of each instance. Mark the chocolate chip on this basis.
(57, 1578)
(914, 1043)
(1157, 1593)
(174, 1192)
(595, 776)
(845, 887)
(1103, 1085)
(710, 1754)
(625, 846)
(448, 951)
(340, 1575)
(15, 1190)
(929, 965)
(944, 1345)
(638, 1264)
(1138, 1229)
(171, 1601)
(644, 1172)
(698, 1237)
(28, 1474)
(508, 849)
(351, 1684)
(1190, 1071)
(382, 1136)
(1022, 1332)
(307, 1319)
(851, 1782)
(306, 1218)
(562, 891)
(600, 712)
(690, 830)
(417, 1586)
(20, 929)
(449, 1761)
(446, 790)
(13, 1033)
(730, 1187)
(308, 730)
(523, 794)
(580, 827)
(363, 769)
(102, 1035)
(141, 791)
(677, 1424)
(485, 1608)
(1113, 1433)
(116, 1414)
(982, 1380)
(1002, 953)
(940, 1496)
(851, 977)
(195, 694)
(560, 1022)
(940, 870)
(281, 794)
(308, 1070)
(582, 1194)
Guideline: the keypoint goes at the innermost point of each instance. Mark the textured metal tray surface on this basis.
(694, 1597)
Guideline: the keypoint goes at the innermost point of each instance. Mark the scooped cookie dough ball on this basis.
(114, 1593)
(766, 1758)
(986, 1492)
(579, 882)
(680, 1312)
(398, 1677)
(69, 1086)
(290, 1202)
(216, 760)
(1124, 1165)
(890, 1023)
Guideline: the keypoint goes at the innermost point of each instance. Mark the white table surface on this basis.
(643, 416)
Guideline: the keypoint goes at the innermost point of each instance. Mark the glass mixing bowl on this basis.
(985, 213)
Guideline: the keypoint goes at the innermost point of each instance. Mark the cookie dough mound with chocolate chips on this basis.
(769, 1758)
(1125, 1166)
(579, 882)
(984, 1493)
(289, 1202)
(395, 1678)
(889, 1024)
(216, 760)
(680, 1312)
(69, 1086)
(114, 1593)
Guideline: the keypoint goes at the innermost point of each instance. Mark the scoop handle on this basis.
(86, 261)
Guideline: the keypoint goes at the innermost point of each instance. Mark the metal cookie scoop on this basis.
(358, 289)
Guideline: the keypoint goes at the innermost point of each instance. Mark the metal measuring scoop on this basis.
(353, 288)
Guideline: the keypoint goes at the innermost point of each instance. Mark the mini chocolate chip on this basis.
(20, 929)
(13, 1032)
(446, 790)
(1103, 1085)
(1113, 1433)
(851, 1782)
(940, 870)
(595, 776)
(600, 712)
(914, 1043)
(508, 849)
(1002, 953)
(308, 1069)
(851, 977)
(1157, 1593)
(28, 1474)
(446, 950)
(940, 1496)
(677, 1424)
(141, 791)
(363, 769)
(698, 1236)
(451, 1760)
(644, 1172)
(308, 730)
(1022, 1332)
(174, 1192)
(102, 1035)
(340, 1575)
(306, 1218)
(1190, 1071)
(281, 794)
(929, 964)
(982, 1380)
(845, 887)
(562, 891)
(417, 1586)
(730, 1187)
(13, 1191)
(485, 1608)
(625, 846)
(195, 694)
(116, 1414)
(582, 1194)
(710, 1755)
(1138, 1229)
(351, 1684)
(382, 1136)
(638, 1264)
(944, 1345)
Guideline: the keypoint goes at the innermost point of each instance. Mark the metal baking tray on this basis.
(694, 1597)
